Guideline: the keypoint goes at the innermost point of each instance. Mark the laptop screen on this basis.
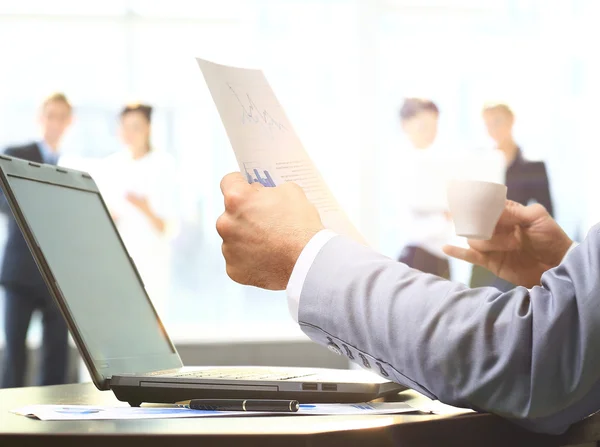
(103, 294)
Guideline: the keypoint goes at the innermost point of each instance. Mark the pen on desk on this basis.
(283, 406)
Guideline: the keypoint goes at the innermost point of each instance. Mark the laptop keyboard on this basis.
(242, 374)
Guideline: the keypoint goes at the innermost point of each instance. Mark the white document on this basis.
(437, 407)
(267, 149)
(356, 409)
(86, 412)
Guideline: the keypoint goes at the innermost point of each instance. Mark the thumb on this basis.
(234, 179)
(516, 214)
(465, 254)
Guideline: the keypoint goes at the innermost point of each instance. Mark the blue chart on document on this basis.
(255, 174)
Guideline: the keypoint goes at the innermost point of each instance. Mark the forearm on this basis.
(157, 222)
(471, 347)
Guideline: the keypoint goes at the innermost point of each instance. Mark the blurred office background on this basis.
(340, 69)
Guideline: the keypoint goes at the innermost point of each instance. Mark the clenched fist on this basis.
(264, 230)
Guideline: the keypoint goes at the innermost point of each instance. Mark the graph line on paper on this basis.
(252, 113)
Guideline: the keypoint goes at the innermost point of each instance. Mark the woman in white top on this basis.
(430, 225)
(423, 170)
(140, 188)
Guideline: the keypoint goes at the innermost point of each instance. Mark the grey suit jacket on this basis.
(529, 355)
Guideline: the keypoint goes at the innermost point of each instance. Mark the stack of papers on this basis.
(86, 412)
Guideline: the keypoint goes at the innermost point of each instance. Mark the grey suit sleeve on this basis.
(528, 355)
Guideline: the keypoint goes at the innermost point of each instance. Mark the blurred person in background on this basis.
(527, 181)
(25, 290)
(429, 226)
(140, 189)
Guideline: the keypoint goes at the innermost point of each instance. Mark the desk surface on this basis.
(405, 430)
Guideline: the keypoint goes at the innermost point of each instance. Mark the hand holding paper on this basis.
(264, 230)
(266, 147)
(280, 200)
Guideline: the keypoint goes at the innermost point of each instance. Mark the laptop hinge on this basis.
(150, 373)
(162, 372)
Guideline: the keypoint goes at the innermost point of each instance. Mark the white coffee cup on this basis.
(475, 207)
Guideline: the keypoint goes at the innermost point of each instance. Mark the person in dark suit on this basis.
(526, 181)
(25, 290)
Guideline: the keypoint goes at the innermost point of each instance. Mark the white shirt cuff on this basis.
(573, 245)
(303, 265)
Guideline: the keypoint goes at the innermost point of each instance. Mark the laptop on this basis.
(101, 295)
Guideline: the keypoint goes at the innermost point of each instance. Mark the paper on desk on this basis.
(437, 407)
(267, 149)
(85, 412)
(426, 405)
(356, 409)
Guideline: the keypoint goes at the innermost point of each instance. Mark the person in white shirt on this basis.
(140, 188)
(428, 226)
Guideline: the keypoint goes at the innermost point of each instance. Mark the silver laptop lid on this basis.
(87, 269)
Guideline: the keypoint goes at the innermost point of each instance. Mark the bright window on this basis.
(340, 68)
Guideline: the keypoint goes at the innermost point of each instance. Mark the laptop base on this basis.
(158, 392)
